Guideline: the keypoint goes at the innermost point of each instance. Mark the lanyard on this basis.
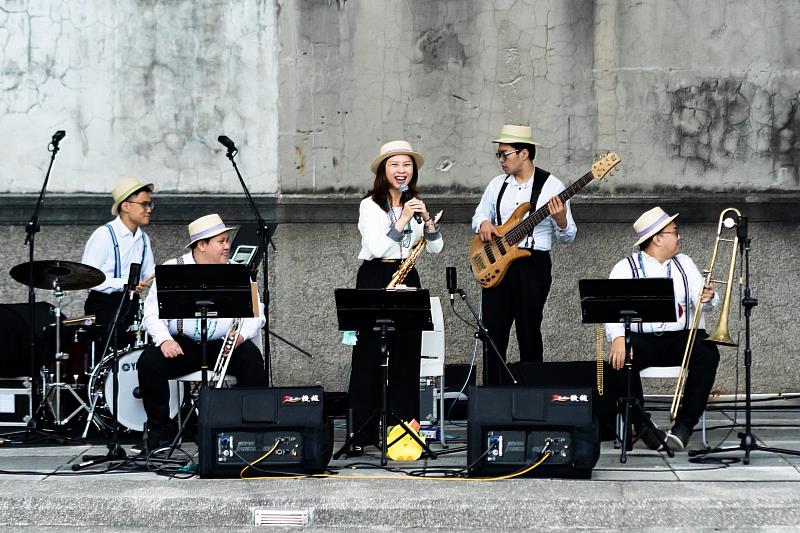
(644, 274)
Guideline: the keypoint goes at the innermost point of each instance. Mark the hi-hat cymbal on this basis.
(70, 276)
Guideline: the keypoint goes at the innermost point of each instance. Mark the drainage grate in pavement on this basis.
(280, 517)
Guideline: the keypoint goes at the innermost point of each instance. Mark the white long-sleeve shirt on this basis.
(650, 267)
(516, 194)
(99, 253)
(164, 330)
(381, 240)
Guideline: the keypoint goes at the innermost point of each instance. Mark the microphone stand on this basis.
(748, 442)
(266, 241)
(31, 230)
(115, 451)
(483, 335)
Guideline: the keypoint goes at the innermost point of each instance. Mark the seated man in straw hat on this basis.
(520, 297)
(663, 344)
(176, 349)
(114, 246)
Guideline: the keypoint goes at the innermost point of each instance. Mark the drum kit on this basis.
(79, 379)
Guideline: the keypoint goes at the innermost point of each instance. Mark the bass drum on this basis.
(131, 409)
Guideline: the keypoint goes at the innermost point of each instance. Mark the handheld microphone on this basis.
(57, 136)
(133, 278)
(227, 143)
(405, 196)
(452, 281)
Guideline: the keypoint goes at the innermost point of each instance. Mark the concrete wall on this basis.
(314, 259)
(700, 99)
(141, 88)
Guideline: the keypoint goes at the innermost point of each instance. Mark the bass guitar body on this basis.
(490, 260)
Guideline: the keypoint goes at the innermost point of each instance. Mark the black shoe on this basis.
(679, 436)
(156, 437)
(650, 437)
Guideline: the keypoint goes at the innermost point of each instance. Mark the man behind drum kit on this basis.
(176, 348)
(114, 246)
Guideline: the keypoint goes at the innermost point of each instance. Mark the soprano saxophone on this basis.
(224, 357)
(408, 263)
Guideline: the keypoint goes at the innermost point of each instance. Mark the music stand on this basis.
(384, 311)
(628, 301)
(203, 291)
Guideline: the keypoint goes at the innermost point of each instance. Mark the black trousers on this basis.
(518, 299)
(155, 371)
(667, 350)
(404, 361)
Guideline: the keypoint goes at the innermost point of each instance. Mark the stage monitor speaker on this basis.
(287, 424)
(509, 426)
(579, 374)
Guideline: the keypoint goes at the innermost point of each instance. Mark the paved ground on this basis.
(651, 491)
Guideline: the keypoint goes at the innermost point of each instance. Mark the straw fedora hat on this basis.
(511, 134)
(650, 223)
(125, 188)
(207, 227)
(395, 148)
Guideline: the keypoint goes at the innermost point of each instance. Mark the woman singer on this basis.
(389, 233)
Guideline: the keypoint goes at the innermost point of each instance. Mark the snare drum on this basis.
(131, 410)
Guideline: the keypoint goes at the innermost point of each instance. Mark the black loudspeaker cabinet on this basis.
(579, 374)
(509, 426)
(238, 426)
(15, 358)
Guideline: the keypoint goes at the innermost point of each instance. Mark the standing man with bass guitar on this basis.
(520, 294)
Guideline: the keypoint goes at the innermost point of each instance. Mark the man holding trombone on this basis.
(667, 344)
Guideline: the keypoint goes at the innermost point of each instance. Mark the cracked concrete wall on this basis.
(142, 88)
(693, 94)
(443, 74)
(706, 94)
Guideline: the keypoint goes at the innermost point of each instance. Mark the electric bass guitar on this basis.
(490, 260)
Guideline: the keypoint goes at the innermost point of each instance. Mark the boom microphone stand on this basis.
(266, 240)
(748, 441)
(482, 333)
(115, 451)
(31, 230)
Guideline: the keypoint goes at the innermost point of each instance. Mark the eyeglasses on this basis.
(502, 156)
(145, 205)
(676, 232)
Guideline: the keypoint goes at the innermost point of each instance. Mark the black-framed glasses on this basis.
(502, 156)
(145, 205)
(674, 232)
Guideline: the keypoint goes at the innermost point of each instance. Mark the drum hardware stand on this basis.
(52, 391)
(115, 451)
(748, 442)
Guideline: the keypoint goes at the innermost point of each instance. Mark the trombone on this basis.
(721, 335)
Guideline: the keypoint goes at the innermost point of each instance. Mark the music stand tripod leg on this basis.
(629, 402)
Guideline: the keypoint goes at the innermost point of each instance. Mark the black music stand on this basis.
(384, 311)
(628, 301)
(205, 291)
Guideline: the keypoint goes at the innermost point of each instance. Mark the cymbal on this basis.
(71, 276)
